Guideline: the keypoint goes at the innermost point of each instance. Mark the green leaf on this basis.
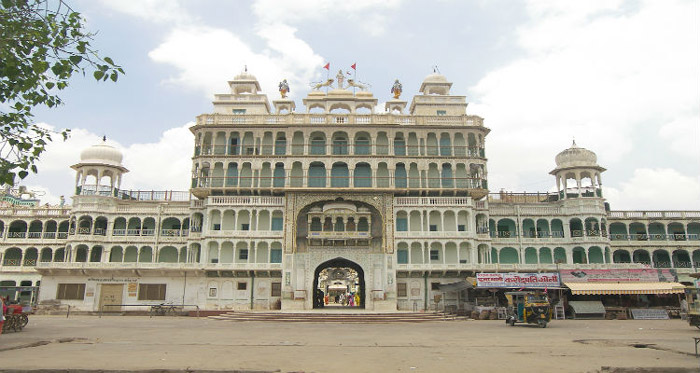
(35, 36)
(57, 69)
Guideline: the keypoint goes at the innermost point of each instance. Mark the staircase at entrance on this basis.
(335, 317)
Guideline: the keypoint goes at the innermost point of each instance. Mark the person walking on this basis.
(3, 309)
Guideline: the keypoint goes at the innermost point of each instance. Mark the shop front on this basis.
(489, 294)
(623, 293)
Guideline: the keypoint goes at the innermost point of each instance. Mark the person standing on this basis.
(357, 299)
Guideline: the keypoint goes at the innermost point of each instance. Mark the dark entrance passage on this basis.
(340, 278)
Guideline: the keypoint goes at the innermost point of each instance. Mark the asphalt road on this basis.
(180, 343)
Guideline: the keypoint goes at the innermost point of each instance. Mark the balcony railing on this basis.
(511, 234)
(149, 232)
(245, 200)
(431, 233)
(359, 119)
(346, 149)
(388, 182)
(654, 237)
(12, 262)
(339, 235)
(432, 201)
(136, 195)
(654, 214)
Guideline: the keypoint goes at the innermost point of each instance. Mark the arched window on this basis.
(447, 180)
(316, 225)
(278, 176)
(400, 176)
(340, 175)
(399, 145)
(340, 144)
(445, 145)
(362, 177)
(317, 175)
(362, 144)
(362, 225)
(318, 144)
(339, 225)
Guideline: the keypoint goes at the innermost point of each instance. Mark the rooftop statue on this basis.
(322, 84)
(284, 88)
(396, 89)
(340, 78)
(352, 83)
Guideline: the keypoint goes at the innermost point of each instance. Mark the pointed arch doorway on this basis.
(338, 267)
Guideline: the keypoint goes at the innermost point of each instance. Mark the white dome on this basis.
(245, 76)
(576, 157)
(435, 83)
(102, 154)
(435, 78)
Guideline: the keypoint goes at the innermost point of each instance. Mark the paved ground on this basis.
(137, 343)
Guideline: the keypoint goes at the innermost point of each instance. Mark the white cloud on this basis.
(160, 11)
(656, 189)
(683, 134)
(597, 72)
(369, 15)
(207, 57)
(161, 165)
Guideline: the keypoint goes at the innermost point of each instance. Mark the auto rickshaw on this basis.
(529, 307)
(692, 296)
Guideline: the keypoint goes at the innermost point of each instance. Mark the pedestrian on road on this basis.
(2, 314)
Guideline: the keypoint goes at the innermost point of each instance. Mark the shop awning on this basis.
(456, 286)
(621, 288)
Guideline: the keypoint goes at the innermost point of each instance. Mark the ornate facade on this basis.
(281, 201)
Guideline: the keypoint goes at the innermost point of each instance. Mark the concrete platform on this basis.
(181, 343)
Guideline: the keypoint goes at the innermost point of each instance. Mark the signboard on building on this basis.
(517, 280)
(619, 275)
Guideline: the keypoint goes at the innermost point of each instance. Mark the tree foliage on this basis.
(43, 43)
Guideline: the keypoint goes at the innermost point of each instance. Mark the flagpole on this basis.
(354, 69)
(355, 75)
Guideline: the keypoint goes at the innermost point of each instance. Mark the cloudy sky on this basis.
(621, 77)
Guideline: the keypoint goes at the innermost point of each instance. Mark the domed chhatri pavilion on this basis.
(287, 206)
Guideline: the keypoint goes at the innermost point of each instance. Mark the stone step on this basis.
(350, 317)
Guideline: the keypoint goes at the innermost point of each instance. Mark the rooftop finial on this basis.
(104, 138)
(245, 68)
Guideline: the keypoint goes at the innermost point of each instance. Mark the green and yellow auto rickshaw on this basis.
(528, 307)
(692, 296)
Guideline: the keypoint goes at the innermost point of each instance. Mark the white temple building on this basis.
(388, 205)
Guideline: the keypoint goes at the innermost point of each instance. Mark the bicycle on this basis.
(164, 309)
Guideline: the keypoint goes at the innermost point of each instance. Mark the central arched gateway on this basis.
(339, 263)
